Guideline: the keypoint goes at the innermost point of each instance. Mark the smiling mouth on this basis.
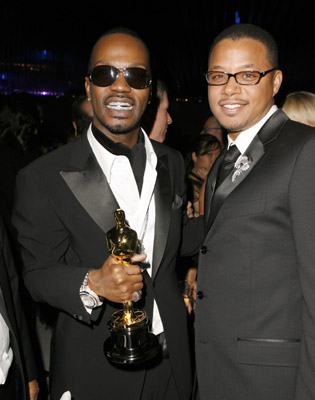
(119, 106)
(231, 106)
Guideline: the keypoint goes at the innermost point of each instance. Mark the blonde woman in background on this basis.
(300, 107)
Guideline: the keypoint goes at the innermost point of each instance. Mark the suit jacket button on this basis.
(203, 249)
(200, 295)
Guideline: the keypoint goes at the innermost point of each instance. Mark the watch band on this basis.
(88, 296)
(86, 277)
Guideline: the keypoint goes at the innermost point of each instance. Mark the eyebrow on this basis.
(221, 68)
(111, 63)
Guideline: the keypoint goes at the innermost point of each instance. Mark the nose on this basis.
(120, 84)
(231, 87)
(169, 119)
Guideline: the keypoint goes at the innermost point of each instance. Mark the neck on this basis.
(233, 135)
(128, 139)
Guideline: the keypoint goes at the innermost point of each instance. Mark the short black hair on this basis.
(240, 31)
(118, 29)
(158, 88)
(81, 118)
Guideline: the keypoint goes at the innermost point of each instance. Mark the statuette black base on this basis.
(131, 345)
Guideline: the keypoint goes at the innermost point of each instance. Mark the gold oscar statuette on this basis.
(130, 341)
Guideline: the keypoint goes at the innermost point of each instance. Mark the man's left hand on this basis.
(33, 389)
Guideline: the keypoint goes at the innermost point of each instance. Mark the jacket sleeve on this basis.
(18, 320)
(51, 271)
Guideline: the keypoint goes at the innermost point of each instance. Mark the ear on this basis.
(277, 80)
(194, 156)
(88, 87)
(75, 128)
(150, 95)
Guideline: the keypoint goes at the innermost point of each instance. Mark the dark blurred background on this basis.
(44, 49)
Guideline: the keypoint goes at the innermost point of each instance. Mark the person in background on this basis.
(18, 370)
(255, 307)
(205, 149)
(19, 123)
(300, 107)
(213, 127)
(82, 114)
(19, 131)
(156, 117)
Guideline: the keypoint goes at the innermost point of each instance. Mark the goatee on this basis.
(121, 129)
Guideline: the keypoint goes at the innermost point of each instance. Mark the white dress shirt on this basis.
(245, 138)
(139, 209)
(6, 353)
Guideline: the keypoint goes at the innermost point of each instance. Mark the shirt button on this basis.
(200, 295)
(204, 249)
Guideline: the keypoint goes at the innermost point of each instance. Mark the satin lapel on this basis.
(92, 190)
(254, 153)
(163, 201)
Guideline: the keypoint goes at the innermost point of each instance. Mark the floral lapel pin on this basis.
(242, 164)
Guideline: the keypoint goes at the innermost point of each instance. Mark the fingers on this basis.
(190, 210)
(189, 308)
(127, 277)
(191, 275)
(132, 269)
(138, 258)
(194, 291)
(138, 295)
(118, 282)
(131, 294)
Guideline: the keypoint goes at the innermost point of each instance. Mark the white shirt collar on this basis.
(106, 159)
(6, 353)
(245, 138)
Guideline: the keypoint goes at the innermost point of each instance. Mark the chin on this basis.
(234, 127)
(121, 129)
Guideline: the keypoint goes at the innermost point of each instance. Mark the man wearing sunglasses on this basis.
(255, 308)
(65, 204)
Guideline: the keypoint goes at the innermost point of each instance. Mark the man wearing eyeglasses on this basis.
(255, 310)
(212, 127)
(65, 204)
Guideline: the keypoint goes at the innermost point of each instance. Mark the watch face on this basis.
(88, 300)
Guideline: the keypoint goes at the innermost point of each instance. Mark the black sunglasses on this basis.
(106, 75)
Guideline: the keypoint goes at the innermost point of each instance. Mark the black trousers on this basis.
(159, 383)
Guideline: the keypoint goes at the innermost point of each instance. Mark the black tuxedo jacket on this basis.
(11, 311)
(255, 322)
(64, 207)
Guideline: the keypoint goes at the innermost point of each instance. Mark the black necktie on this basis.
(227, 164)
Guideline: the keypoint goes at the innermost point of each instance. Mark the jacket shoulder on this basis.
(62, 157)
(163, 149)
